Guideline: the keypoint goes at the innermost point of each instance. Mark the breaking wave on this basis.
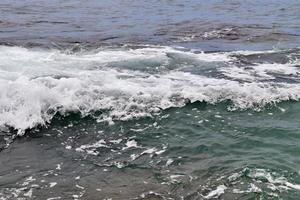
(126, 82)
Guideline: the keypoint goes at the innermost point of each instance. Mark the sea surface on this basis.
(154, 100)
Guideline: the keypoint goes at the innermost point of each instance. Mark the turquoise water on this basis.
(185, 153)
(149, 100)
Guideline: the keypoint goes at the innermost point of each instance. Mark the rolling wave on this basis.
(126, 82)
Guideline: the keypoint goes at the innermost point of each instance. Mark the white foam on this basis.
(130, 144)
(36, 84)
(29, 193)
(217, 192)
(263, 71)
(274, 182)
(92, 148)
(54, 198)
(248, 52)
(52, 184)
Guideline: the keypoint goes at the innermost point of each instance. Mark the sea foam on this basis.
(36, 84)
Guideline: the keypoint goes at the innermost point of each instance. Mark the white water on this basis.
(35, 84)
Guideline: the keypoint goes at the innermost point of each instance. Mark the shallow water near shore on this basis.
(149, 100)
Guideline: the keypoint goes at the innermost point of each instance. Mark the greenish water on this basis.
(149, 122)
(199, 151)
(152, 100)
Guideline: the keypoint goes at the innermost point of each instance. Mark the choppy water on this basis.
(149, 100)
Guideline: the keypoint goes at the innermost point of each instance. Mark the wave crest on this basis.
(37, 84)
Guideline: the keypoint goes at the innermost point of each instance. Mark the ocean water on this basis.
(149, 100)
